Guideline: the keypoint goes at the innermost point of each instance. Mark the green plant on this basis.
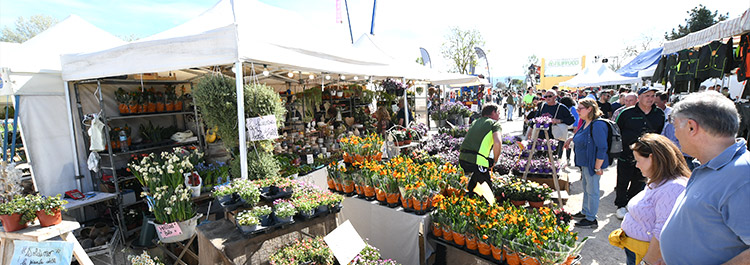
(144, 259)
(284, 209)
(121, 96)
(247, 190)
(48, 204)
(172, 204)
(304, 251)
(262, 210)
(247, 218)
(22, 205)
(223, 190)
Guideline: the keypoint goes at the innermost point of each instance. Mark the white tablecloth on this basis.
(393, 231)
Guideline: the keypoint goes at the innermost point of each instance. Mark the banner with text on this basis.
(562, 67)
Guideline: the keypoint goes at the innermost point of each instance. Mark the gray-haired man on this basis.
(710, 222)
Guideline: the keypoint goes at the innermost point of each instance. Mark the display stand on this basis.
(219, 242)
(36, 233)
(534, 136)
(185, 250)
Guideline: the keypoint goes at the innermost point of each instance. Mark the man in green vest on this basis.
(484, 135)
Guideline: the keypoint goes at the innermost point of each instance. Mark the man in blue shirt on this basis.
(710, 221)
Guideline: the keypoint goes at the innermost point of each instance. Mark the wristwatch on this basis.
(597, 170)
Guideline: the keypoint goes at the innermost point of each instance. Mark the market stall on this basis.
(598, 74)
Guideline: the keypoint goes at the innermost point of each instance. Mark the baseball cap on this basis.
(647, 89)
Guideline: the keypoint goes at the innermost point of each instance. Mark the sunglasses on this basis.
(549, 96)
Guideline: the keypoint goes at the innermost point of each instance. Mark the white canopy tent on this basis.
(724, 29)
(598, 74)
(32, 73)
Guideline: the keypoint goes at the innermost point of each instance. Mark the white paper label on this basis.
(345, 242)
(310, 159)
(48, 252)
(474, 108)
(262, 128)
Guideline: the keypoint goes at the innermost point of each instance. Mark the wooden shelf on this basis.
(149, 115)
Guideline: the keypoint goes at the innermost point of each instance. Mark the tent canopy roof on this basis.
(598, 74)
(641, 62)
(723, 29)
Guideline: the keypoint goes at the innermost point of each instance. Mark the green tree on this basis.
(500, 85)
(517, 84)
(419, 60)
(698, 18)
(27, 29)
(458, 48)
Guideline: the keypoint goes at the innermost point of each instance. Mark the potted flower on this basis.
(16, 214)
(305, 206)
(144, 259)
(538, 194)
(247, 190)
(194, 182)
(48, 209)
(122, 99)
(284, 211)
(247, 222)
(224, 194)
(263, 213)
(174, 205)
(333, 202)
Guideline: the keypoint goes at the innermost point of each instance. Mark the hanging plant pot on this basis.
(12, 222)
(46, 220)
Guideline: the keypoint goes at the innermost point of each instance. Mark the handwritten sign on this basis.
(310, 159)
(262, 128)
(344, 242)
(48, 252)
(168, 230)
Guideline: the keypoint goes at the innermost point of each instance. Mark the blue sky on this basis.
(512, 30)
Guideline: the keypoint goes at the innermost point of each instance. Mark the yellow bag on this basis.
(619, 239)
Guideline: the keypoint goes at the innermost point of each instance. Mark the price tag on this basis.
(168, 230)
(345, 242)
(483, 189)
(310, 159)
(474, 108)
(48, 252)
(262, 128)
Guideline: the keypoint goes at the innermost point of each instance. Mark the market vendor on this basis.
(485, 134)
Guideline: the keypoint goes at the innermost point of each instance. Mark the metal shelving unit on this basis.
(111, 154)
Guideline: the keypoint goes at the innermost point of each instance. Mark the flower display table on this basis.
(220, 242)
(398, 235)
(37, 233)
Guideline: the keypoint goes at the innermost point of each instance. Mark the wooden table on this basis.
(220, 242)
(36, 233)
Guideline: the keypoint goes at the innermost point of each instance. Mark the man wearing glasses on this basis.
(710, 221)
(642, 118)
(560, 115)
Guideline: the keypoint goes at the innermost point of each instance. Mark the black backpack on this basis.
(614, 139)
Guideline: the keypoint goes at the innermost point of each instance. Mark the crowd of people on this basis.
(683, 176)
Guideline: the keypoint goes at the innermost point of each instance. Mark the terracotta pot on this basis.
(169, 106)
(123, 108)
(392, 198)
(471, 242)
(349, 188)
(380, 195)
(518, 203)
(331, 184)
(339, 187)
(447, 234)
(49, 220)
(484, 248)
(458, 238)
(536, 204)
(529, 261)
(436, 230)
(369, 191)
(12, 222)
(160, 107)
(178, 105)
(512, 258)
(407, 142)
(497, 252)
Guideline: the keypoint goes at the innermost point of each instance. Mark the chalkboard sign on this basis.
(48, 252)
(168, 230)
(262, 128)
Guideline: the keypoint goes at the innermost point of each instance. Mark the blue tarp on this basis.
(641, 62)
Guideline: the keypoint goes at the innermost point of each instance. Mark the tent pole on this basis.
(15, 131)
(73, 145)
(406, 107)
(241, 117)
(5, 135)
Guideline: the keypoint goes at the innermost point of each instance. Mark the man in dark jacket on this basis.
(559, 114)
(634, 121)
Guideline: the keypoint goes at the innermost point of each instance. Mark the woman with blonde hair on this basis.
(590, 146)
(666, 171)
(384, 119)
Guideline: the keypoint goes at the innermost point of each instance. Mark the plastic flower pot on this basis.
(416, 204)
(331, 184)
(536, 204)
(512, 258)
(286, 219)
(392, 198)
(471, 242)
(265, 220)
(178, 105)
(369, 191)
(339, 187)
(497, 252)
(321, 209)
(484, 248)
(380, 195)
(46, 220)
(248, 228)
(308, 214)
(447, 234)
(12, 222)
(349, 188)
(459, 238)
(436, 230)
(160, 107)
(169, 106)
(529, 260)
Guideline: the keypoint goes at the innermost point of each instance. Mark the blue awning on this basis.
(641, 62)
